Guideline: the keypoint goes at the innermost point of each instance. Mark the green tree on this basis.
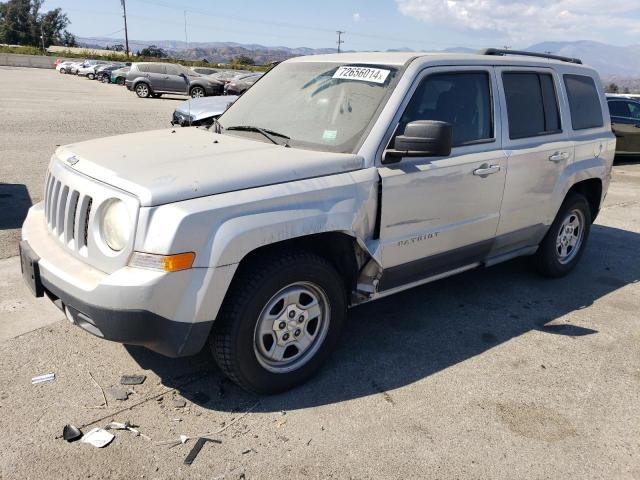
(22, 23)
(244, 60)
(153, 51)
(611, 88)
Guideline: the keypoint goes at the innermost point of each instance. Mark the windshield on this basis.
(320, 106)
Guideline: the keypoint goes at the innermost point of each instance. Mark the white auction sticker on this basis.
(365, 74)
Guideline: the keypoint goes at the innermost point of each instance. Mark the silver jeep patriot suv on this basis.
(336, 180)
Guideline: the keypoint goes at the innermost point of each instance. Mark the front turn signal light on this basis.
(165, 263)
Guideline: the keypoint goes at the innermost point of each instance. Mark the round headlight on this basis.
(115, 225)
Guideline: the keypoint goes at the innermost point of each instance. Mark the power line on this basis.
(300, 26)
(340, 41)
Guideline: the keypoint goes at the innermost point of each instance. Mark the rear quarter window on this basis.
(584, 102)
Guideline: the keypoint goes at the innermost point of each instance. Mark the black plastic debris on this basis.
(197, 447)
(133, 379)
(71, 433)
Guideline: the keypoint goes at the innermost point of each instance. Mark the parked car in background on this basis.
(625, 122)
(73, 68)
(226, 76)
(88, 69)
(64, 67)
(103, 72)
(118, 76)
(201, 111)
(239, 85)
(205, 70)
(150, 79)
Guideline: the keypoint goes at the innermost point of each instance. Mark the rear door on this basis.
(175, 82)
(625, 121)
(439, 214)
(538, 148)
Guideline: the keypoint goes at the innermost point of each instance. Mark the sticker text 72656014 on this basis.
(365, 74)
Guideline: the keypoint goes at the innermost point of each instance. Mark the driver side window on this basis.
(461, 99)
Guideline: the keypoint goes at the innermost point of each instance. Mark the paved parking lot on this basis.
(495, 373)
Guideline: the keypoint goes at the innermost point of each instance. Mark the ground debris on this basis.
(132, 379)
(118, 393)
(126, 426)
(98, 437)
(191, 456)
(47, 377)
(178, 403)
(71, 433)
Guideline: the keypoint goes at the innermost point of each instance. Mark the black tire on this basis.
(120, 81)
(547, 260)
(91, 76)
(63, 71)
(197, 91)
(156, 95)
(232, 340)
(143, 90)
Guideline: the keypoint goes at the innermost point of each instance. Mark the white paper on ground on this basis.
(97, 437)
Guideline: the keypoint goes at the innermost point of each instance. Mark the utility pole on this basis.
(186, 38)
(42, 37)
(340, 41)
(126, 33)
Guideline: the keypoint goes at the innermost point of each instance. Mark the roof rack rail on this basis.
(499, 51)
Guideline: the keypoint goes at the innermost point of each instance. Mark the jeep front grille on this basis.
(67, 213)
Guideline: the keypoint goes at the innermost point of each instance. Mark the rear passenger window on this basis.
(461, 99)
(532, 104)
(584, 102)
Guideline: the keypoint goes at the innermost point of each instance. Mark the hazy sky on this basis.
(370, 24)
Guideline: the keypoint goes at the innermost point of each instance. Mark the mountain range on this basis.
(610, 60)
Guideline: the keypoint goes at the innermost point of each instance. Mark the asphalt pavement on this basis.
(495, 373)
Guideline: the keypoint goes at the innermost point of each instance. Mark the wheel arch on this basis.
(342, 250)
(592, 190)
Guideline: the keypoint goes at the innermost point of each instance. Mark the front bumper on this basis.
(132, 327)
(165, 312)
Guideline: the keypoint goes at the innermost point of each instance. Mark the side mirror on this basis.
(422, 138)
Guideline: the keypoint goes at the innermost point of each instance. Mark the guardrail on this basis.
(20, 60)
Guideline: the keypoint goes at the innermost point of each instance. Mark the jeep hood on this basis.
(164, 166)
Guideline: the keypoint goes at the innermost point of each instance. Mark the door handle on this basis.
(559, 156)
(486, 169)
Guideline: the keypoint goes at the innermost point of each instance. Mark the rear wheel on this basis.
(280, 320)
(63, 71)
(563, 245)
(196, 92)
(143, 90)
(120, 80)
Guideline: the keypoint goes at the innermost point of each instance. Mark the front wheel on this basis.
(63, 71)
(142, 90)
(563, 245)
(120, 81)
(280, 320)
(197, 92)
(91, 76)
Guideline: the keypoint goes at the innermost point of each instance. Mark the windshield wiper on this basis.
(263, 131)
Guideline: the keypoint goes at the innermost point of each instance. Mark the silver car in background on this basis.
(201, 111)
